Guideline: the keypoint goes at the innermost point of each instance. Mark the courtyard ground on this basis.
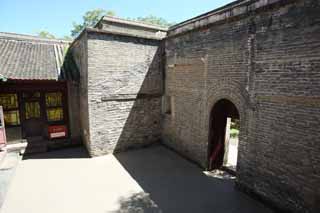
(8, 163)
(153, 179)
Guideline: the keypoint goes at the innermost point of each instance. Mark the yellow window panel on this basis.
(9, 101)
(53, 99)
(11, 118)
(55, 114)
(32, 110)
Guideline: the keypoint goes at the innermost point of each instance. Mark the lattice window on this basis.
(32, 110)
(10, 105)
(54, 106)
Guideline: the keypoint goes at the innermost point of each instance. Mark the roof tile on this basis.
(30, 58)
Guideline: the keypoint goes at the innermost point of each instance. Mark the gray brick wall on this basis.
(123, 26)
(74, 111)
(80, 54)
(266, 62)
(124, 92)
(263, 56)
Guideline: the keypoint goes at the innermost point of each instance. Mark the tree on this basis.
(110, 13)
(66, 37)
(151, 19)
(90, 18)
(45, 34)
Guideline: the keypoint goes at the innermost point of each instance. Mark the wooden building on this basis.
(37, 92)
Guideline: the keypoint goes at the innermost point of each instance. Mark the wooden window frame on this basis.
(13, 109)
(62, 106)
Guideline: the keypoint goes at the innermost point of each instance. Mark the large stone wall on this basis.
(261, 55)
(80, 54)
(264, 57)
(124, 91)
(74, 111)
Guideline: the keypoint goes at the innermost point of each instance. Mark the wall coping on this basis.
(234, 9)
(127, 34)
(112, 19)
(32, 38)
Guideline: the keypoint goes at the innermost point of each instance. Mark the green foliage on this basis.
(234, 128)
(45, 34)
(234, 133)
(67, 38)
(2, 78)
(90, 18)
(235, 124)
(151, 19)
(110, 13)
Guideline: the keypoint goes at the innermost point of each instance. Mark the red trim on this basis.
(16, 86)
(214, 155)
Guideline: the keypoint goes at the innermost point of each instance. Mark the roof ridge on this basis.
(25, 37)
(133, 22)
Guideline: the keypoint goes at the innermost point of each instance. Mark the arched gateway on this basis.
(221, 115)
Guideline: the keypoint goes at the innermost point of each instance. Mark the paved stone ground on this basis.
(147, 180)
(8, 163)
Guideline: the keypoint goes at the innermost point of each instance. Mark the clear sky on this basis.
(56, 16)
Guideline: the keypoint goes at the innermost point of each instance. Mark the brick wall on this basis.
(80, 54)
(267, 62)
(74, 111)
(136, 29)
(124, 92)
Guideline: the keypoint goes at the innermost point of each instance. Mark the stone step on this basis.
(36, 148)
(35, 139)
(28, 148)
(17, 147)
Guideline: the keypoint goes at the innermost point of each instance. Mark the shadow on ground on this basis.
(172, 184)
(72, 152)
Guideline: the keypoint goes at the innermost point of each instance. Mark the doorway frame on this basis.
(42, 86)
(210, 127)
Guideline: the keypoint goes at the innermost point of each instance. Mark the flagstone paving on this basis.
(153, 179)
(8, 163)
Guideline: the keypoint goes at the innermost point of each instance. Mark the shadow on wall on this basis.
(136, 116)
(172, 184)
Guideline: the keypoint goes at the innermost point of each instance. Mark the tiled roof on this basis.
(31, 58)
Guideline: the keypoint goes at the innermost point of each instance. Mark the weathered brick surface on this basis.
(122, 26)
(124, 92)
(80, 54)
(74, 111)
(267, 62)
(261, 55)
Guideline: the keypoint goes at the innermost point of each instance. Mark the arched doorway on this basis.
(224, 115)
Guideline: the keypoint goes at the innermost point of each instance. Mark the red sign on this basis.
(57, 131)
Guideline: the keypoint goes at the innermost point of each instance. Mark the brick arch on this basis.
(229, 89)
(235, 93)
(232, 91)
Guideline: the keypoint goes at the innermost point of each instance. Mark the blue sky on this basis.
(56, 16)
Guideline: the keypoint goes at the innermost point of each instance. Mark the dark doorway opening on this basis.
(223, 135)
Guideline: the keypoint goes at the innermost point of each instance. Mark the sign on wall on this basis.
(57, 131)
